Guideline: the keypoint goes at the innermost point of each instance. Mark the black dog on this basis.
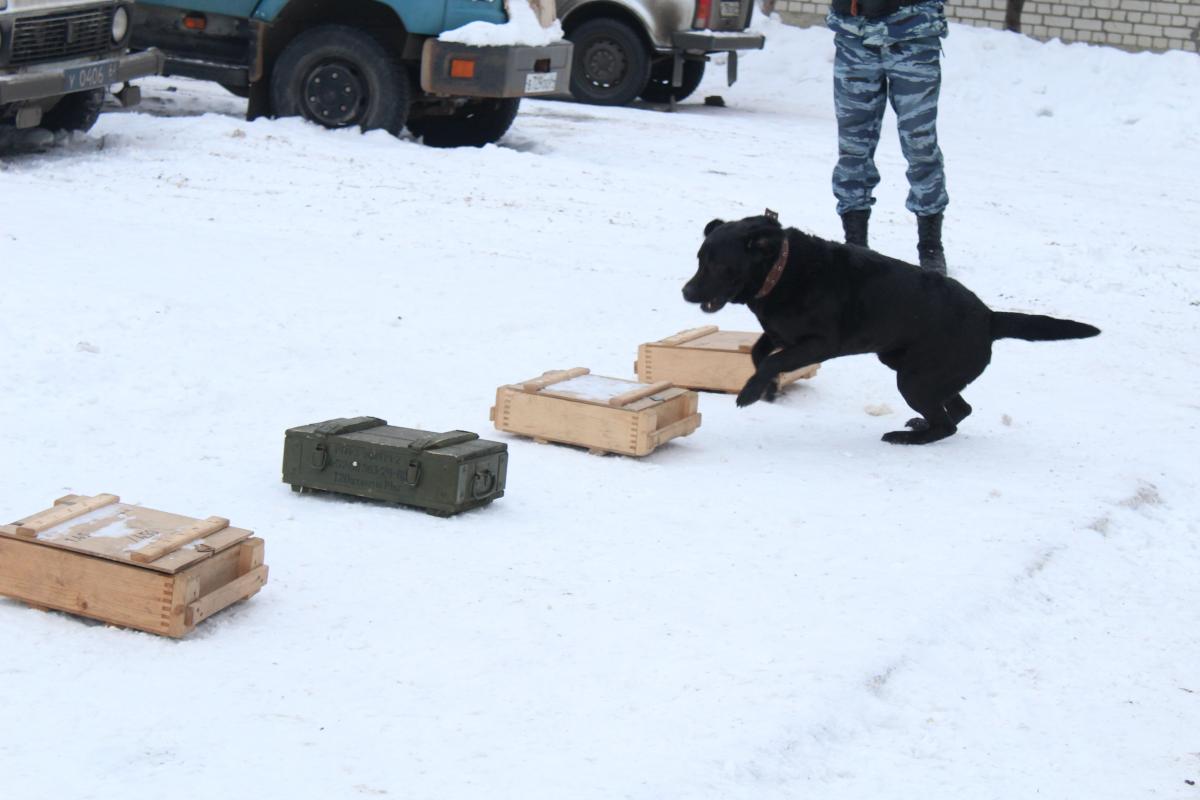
(818, 300)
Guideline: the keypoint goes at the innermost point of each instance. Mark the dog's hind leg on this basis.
(935, 421)
(933, 426)
(956, 407)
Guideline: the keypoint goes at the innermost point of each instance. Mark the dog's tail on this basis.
(1037, 328)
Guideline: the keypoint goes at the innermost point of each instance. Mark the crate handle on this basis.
(489, 481)
(320, 456)
(413, 476)
(681, 427)
(437, 441)
(333, 427)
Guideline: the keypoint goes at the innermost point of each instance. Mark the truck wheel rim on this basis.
(605, 63)
(335, 94)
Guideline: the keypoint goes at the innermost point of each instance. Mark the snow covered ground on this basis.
(778, 606)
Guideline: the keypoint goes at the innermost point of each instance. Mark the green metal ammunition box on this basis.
(443, 473)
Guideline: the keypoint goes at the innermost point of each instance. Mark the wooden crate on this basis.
(706, 358)
(605, 415)
(128, 565)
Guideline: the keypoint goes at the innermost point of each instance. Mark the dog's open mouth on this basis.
(709, 306)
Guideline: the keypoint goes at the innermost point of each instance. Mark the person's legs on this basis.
(915, 79)
(859, 98)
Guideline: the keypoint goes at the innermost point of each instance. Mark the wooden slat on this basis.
(215, 572)
(625, 398)
(727, 341)
(64, 510)
(172, 562)
(250, 555)
(682, 427)
(227, 595)
(185, 591)
(174, 541)
(553, 377)
(688, 335)
(643, 367)
(214, 543)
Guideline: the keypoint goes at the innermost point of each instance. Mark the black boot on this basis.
(854, 223)
(929, 243)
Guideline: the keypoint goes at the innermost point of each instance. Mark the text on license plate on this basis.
(92, 76)
(540, 82)
(730, 8)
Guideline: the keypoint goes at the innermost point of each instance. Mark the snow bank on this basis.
(522, 28)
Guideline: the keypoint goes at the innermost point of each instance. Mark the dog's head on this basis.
(734, 261)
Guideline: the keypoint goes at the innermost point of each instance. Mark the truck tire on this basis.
(75, 112)
(611, 64)
(659, 89)
(339, 77)
(476, 123)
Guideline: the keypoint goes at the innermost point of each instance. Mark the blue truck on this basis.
(373, 64)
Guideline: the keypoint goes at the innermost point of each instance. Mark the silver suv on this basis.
(58, 57)
(653, 49)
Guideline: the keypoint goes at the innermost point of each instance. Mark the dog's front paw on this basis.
(773, 391)
(752, 392)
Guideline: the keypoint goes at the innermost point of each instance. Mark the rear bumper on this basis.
(716, 41)
(36, 85)
(505, 71)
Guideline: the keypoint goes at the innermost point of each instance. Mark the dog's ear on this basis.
(763, 243)
(764, 239)
(716, 223)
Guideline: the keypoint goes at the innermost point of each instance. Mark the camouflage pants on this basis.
(865, 77)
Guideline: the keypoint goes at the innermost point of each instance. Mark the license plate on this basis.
(730, 8)
(92, 76)
(540, 82)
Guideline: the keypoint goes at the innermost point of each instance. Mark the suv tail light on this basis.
(703, 14)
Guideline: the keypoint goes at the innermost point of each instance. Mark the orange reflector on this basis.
(462, 68)
(195, 22)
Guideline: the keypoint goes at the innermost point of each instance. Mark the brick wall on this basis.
(1128, 24)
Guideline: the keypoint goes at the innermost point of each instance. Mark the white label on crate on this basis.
(540, 82)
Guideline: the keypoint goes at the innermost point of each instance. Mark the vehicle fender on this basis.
(658, 19)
